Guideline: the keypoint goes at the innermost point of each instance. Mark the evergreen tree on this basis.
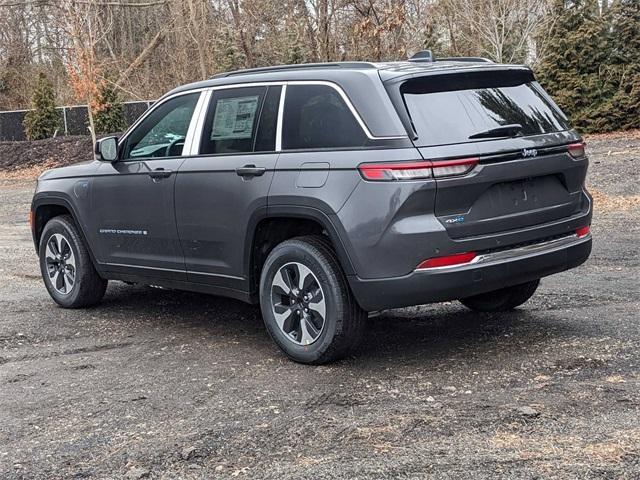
(230, 58)
(579, 49)
(109, 113)
(593, 68)
(43, 120)
(295, 50)
(624, 107)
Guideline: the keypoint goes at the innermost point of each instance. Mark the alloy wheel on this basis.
(61, 264)
(298, 303)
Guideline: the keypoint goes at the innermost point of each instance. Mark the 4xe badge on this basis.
(529, 152)
(457, 219)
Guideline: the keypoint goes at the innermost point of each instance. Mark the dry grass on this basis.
(609, 452)
(570, 449)
(605, 202)
(625, 134)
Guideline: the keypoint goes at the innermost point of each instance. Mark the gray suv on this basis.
(326, 191)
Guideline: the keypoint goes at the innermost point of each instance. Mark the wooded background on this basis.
(585, 52)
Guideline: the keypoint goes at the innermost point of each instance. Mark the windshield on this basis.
(459, 108)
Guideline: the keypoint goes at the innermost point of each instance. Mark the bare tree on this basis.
(145, 47)
(499, 29)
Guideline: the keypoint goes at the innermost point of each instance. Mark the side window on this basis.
(315, 116)
(232, 120)
(162, 132)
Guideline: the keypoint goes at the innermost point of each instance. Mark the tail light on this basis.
(447, 261)
(386, 172)
(583, 231)
(576, 150)
(395, 171)
(31, 219)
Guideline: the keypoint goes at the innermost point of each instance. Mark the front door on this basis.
(133, 210)
(218, 191)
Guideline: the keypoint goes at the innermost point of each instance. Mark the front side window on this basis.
(162, 132)
(316, 116)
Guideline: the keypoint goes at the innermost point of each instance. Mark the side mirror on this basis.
(107, 149)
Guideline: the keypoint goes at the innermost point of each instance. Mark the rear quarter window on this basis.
(316, 116)
(451, 108)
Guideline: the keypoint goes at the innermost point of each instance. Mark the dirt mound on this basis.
(39, 155)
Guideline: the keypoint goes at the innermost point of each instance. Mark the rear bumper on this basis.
(490, 271)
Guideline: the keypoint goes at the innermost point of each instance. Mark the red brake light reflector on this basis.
(583, 231)
(448, 260)
(576, 150)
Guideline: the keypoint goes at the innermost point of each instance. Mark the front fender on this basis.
(59, 199)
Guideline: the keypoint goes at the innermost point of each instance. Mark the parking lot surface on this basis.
(163, 384)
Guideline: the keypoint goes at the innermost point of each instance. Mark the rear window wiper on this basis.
(512, 130)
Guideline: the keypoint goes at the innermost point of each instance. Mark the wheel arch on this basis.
(46, 207)
(288, 222)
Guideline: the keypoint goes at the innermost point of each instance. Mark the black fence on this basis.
(73, 120)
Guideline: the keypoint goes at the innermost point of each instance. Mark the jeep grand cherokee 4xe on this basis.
(326, 191)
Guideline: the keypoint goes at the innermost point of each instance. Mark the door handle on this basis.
(159, 173)
(250, 171)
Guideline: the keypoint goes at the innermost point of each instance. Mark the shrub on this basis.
(109, 113)
(43, 120)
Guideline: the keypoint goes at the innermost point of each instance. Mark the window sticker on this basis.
(234, 118)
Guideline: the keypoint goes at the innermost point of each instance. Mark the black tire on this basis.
(88, 287)
(502, 300)
(344, 320)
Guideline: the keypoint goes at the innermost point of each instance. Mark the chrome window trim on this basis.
(283, 93)
(196, 140)
(192, 132)
(197, 120)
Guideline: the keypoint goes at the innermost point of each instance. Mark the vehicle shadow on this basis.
(435, 331)
(446, 331)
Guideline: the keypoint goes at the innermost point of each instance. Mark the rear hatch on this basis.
(520, 173)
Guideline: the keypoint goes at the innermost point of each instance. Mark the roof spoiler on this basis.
(427, 56)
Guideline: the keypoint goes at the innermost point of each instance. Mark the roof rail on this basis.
(465, 59)
(299, 66)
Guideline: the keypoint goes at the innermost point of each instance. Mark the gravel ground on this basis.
(158, 384)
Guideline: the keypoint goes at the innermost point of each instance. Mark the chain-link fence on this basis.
(74, 120)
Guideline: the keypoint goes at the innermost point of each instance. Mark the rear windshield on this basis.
(448, 109)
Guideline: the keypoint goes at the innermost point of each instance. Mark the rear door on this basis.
(218, 191)
(515, 140)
